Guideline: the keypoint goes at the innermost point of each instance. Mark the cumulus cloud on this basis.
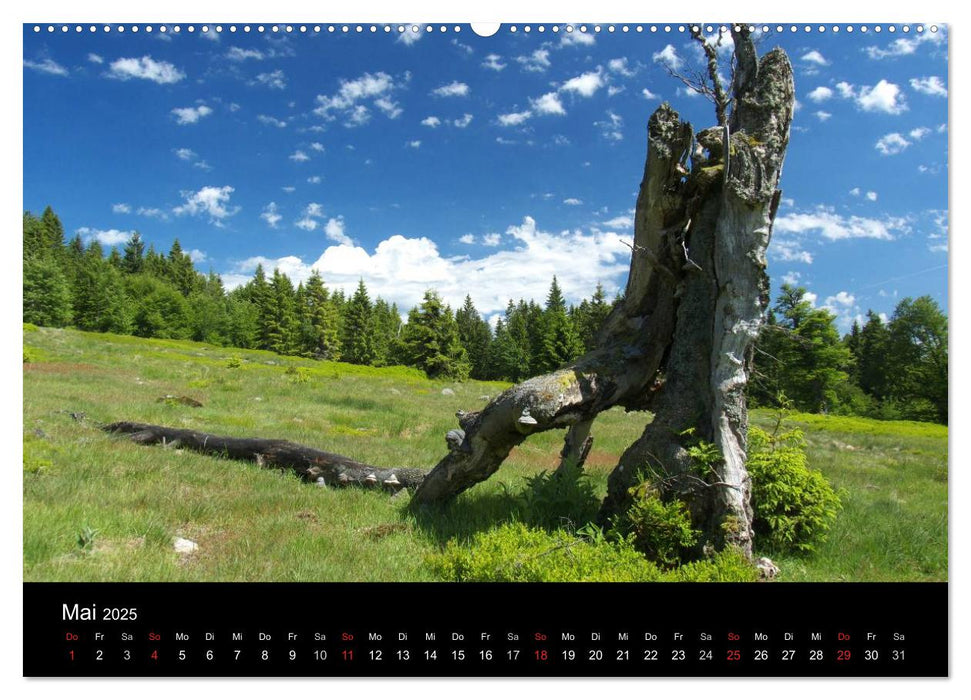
(271, 215)
(239, 55)
(572, 201)
(106, 237)
(275, 80)
(822, 116)
(334, 230)
(350, 96)
(883, 97)
(789, 250)
(413, 144)
(648, 95)
(536, 62)
(185, 153)
(299, 156)
(514, 118)
(411, 34)
(144, 68)
(452, 89)
(611, 127)
(190, 115)
(820, 94)
(271, 121)
(871, 195)
(620, 67)
(432, 122)
(919, 133)
(905, 46)
(467, 239)
(576, 38)
(891, 144)
(834, 227)
(121, 208)
(624, 221)
(815, 58)
(152, 213)
(492, 240)
(668, 57)
(493, 62)
(929, 86)
(584, 85)
(400, 269)
(209, 201)
(48, 66)
(95, 58)
(463, 121)
(548, 104)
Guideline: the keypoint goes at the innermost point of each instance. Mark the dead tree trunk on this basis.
(678, 344)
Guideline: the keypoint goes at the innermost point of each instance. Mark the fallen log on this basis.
(310, 464)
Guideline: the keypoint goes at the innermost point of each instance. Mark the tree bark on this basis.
(310, 464)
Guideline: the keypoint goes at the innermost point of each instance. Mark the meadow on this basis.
(100, 508)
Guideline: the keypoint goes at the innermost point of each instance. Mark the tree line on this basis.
(896, 369)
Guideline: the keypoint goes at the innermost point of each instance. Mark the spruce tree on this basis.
(475, 336)
(180, 270)
(282, 324)
(385, 327)
(430, 340)
(559, 342)
(357, 343)
(47, 293)
(133, 259)
(319, 321)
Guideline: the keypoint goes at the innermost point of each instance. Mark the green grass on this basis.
(251, 524)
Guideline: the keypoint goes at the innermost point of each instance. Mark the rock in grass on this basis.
(766, 568)
(447, 392)
(184, 546)
(183, 400)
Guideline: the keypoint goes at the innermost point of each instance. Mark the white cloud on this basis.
(202, 165)
(237, 54)
(820, 94)
(463, 121)
(611, 127)
(846, 90)
(492, 240)
(271, 215)
(299, 156)
(904, 46)
(452, 89)
(211, 201)
(668, 56)
(514, 118)
(317, 146)
(648, 95)
(315, 179)
(467, 239)
(190, 115)
(919, 133)
(197, 256)
(413, 144)
(376, 87)
(152, 213)
(95, 58)
(400, 269)
(334, 230)
(882, 97)
(275, 80)
(48, 66)
(822, 116)
(840, 299)
(791, 278)
(585, 85)
(432, 122)
(409, 36)
(832, 226)
(272, 121)
(120, 208)
(572, 201)
(536, 62)
(548, 104)
(493, 62)
(109, 237)
(619, 66)
(892, 144)
(871, 195)
(289, 189)
(576, 38)
(855, 192)
(789, 250)
(144, 68)
(185, 154)
(929, 86)
(623, 221)
(815, 57)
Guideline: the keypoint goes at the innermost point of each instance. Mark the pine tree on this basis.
(589, 318)
(280, 332)
(872, 361)
(505, 356)
(357, 343)
(180, 270)
(475, 336)
(53, 232)
(430, 340)
(35, 240)
(385, 328)
(99, 299)
(558, 340)
(518, 326)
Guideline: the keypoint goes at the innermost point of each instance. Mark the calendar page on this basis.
(563, 349)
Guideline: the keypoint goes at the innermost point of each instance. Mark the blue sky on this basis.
(469, 164)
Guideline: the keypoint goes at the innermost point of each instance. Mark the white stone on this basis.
(184, 546)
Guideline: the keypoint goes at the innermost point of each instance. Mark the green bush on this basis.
(514, 552)
(234, 362)
(565, 498)
(297, 375)
(794, 506)
(661, 530)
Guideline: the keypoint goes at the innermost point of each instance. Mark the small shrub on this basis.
(297, 375)
(29, 355)
(234, 362)
(794, 506)
(30, 328)
(86, 538)
(37, 455)
(516, 553)
(661, 530)
(557, 499)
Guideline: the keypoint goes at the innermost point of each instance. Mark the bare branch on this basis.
(720, 98)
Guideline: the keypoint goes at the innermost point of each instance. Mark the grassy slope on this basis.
(253, 524)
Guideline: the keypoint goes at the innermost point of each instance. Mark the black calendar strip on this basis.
(646, 630)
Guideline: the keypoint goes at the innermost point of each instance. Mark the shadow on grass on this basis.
(467, 515)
